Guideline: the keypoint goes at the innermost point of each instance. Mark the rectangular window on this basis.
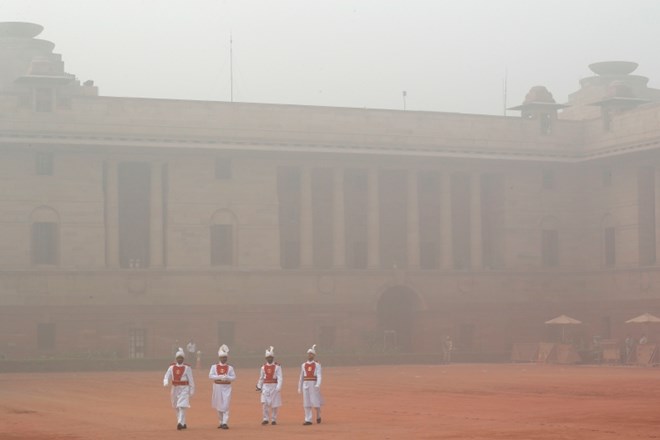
(222, 249)
(43, 100)
(137, 339)
(44, 164)
(610, 247)
(44, 243)
(646, 213)
(550, 248)
(226, 332)
(46, 336)
(222, 168)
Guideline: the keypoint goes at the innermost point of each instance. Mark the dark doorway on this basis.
(396, 314)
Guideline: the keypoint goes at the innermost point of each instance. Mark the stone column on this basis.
(306, 231)
(373, 223)
(446, 254)
(156, 216)
(111, 215)
(338, 225)
(413, 221)
(475, 222)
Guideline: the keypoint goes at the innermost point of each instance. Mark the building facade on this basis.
(129, 226)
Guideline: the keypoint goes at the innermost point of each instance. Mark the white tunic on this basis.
(180, 394)
(221, 397)
(311, 389)
(270, 392)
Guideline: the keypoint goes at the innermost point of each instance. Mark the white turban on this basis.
(223, 351)
(312, 350)
(270, 352)
(180, 353)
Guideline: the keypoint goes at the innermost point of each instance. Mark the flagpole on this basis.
(231, 68)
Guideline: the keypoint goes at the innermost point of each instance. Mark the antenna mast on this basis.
(505, 85)
(231, 68)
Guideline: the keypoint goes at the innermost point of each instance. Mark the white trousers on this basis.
(180, 415)
(223, 417)
(308, 413)
(273, 411)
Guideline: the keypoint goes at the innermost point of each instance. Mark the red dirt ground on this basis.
(461, 401)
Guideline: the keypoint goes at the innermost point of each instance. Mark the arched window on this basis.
(44, 224)
(223, 235)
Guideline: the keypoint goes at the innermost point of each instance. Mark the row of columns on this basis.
(373, 221)
(156, 243)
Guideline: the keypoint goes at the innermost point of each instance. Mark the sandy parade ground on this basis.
(459, 401)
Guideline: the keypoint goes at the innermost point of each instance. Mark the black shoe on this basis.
(224, 426)
(219, 426)
(179, 426)
(273, 422)
(318, 420)
(184, 426)
(264, 422)
(307, 423)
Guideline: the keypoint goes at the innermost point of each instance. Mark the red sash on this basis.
(310, 371)
(222, 370)
(177, 374)
(269, 373)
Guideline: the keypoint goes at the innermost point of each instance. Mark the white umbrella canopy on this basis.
(643, 318)
(563, 320)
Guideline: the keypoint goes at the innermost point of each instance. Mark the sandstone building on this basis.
(128, 225)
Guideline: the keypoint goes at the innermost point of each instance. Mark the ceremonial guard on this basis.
(222, 375)
(180, 376)
(270, 385)
(310, 386)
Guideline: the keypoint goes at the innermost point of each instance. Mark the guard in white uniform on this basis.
(183, 387)
(222, 375)
(310, 386)
(270, 385)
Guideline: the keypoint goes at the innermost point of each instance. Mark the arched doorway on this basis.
(396, 317)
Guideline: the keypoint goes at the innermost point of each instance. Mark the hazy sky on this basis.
(448, 55)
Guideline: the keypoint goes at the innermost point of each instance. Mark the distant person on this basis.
(629, 346)
(309, 385)
(597, 348)
(270, 385)
(643, 340)
(222, 374)
(198, 355)
(192, 349)
(180, 376)
(447, 348)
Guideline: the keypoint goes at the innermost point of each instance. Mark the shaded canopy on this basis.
(644, 317)
(563, 319)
